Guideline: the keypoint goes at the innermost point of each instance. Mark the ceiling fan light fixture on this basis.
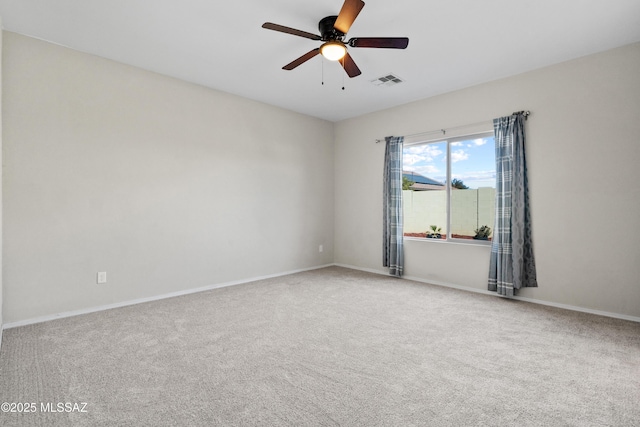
(333, 50)
(333, 29)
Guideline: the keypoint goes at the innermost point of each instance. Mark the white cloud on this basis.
(411, 159)
(457, 144)
(419, 149)
(479, 142)
(459, 155)
(476, 142)
(427, 170)
(426, 153)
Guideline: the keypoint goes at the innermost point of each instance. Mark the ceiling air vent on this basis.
(387, 80)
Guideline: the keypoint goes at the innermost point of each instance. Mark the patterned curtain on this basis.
(393, 256)
(512, 263)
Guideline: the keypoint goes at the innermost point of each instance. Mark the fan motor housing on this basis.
(327, 30)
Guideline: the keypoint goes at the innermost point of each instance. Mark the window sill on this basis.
(463, 242)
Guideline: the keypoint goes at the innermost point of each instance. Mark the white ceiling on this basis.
(221, 45)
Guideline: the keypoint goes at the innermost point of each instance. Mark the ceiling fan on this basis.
(333, 30)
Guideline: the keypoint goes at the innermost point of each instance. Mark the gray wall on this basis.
(583, 153)
(169, 186)
(1, 221)
(165, 185)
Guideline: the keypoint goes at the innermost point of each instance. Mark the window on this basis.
(449, 188)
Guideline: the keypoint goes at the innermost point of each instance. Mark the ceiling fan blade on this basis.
(350, 66)
(380, 42)
(287, 30)
(304, 58)
(348, 14)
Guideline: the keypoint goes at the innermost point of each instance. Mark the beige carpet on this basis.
(330, 347)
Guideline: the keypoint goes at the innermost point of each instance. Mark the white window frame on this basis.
(449, 140)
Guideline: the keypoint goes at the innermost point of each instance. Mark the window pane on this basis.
(472, 166)
(425, 195)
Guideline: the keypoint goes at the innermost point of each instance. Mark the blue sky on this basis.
(472, 161)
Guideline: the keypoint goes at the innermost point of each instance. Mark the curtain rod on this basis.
(526, 115)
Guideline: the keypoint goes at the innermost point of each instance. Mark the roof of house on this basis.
(425, 187)
(421, 179)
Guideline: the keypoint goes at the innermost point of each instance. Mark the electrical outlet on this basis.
(320, 248)
(102, 277)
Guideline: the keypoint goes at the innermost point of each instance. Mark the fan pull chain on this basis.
(322, 61)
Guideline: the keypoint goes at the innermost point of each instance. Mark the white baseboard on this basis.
(487, 292)
(581, 309)
(149, 299)
(253, 279)
(368, 270)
